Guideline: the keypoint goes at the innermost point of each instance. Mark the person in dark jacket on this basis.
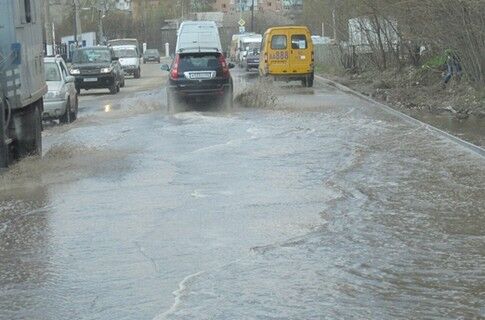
(453, 67)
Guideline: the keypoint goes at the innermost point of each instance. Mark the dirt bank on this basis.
(459, 108)
(415, 90)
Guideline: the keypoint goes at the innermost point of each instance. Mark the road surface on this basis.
(317, 206)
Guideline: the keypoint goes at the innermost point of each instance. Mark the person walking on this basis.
(453, 67)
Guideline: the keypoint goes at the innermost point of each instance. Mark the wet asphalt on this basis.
(316, 206)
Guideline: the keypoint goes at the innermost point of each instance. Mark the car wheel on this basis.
(309, 82)
(122, 84)
(74, 113)
(29, 141)
(304, 82)
(228, 100)
(171, 101)
(78, 90)
(113, 89)
(66, 117)
(137, 74)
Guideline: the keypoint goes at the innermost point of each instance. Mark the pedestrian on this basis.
(453, 67)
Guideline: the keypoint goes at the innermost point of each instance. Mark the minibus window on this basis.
(298, 41)
(278, 42)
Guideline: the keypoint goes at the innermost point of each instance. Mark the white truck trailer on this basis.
(199, 35)
(22, 81)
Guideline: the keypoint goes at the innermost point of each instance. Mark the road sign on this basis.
(242, 22)
(242, 29)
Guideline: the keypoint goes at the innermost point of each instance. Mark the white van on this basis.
(129, 59)
(198, 35)
(248, 43)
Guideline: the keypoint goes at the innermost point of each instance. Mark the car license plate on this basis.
(90, 79)
(200, 75)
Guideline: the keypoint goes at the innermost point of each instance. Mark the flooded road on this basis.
(319, 206)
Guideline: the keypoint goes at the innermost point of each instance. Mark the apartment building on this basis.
(245, 5)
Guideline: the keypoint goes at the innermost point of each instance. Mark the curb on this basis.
(464, 144)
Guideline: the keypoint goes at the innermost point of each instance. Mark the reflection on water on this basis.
(471, 129)
(338, 212)
(25, 250)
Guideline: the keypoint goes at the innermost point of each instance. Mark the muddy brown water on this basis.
(471, 129)
(321, 207)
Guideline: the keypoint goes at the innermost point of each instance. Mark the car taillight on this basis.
(225, 67)
(265, 58)
(174, 74)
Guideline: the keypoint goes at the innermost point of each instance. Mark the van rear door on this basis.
(300, 52)
(278, 53)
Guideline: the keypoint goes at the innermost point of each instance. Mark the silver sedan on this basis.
(61, 101)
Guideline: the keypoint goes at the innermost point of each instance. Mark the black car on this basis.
(96, 68)
(198, 76)
(151, 55)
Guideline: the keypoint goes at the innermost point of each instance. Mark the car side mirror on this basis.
(231, 65)
(165, 67)
(115, 59)
(70, 79)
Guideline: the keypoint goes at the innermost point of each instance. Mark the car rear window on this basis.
(91, 56)
(125, 53)
(278, 42)
(298, 41)
(52, 72)
(199, 62)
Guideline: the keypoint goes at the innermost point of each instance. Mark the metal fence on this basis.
(340, 58)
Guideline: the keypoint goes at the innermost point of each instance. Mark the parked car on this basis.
(198, 75)
(151, 55)
(252, 60)
(97, 68)
(287, 54)
(129, 59)
(61, 100)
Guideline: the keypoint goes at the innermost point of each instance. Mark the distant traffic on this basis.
(199, 71)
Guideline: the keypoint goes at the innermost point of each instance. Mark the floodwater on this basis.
(471, 129)
(319, 207)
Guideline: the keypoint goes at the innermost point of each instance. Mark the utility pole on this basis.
(75, 16)
(49, 41)
(334, 19)
(101, 14)
(3, 144)
(185, 8)
(100, 26)
(77, 22)
(252, 16)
